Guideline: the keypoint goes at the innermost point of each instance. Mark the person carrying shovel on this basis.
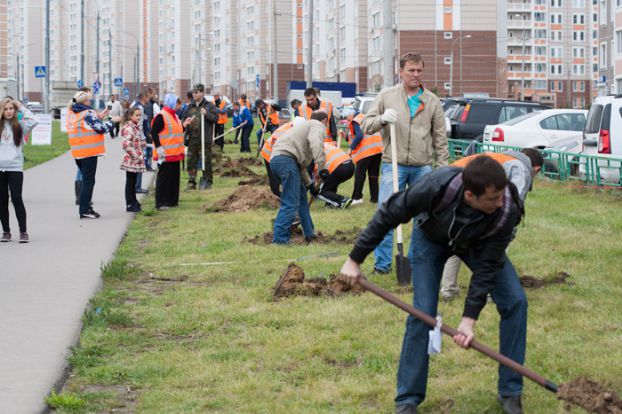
(200, 133)
(471, 213)
(416, 116)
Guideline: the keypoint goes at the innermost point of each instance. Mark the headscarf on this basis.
(170, 100)
(348, 112)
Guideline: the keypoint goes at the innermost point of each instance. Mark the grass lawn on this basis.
(38, 154)
(185, 321)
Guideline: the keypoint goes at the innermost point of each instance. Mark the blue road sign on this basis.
(95, 87)
(118, 81)
(39, 71)
(257, 80)
(80, 83)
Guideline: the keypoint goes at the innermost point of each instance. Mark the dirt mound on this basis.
(241, 162)
(238, 172)
(246, 198)
(258, 180)
(591, 396)
(532, 282)
(340, 237)
(292, 283)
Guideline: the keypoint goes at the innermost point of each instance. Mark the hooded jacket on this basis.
(463, 229)
(12, 157)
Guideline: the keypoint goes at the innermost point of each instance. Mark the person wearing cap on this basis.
(167, 133)
(366, 152)
(268, 117)
(86, 130)
(197, 108)
(243, 119)
(291, 155)
(266, 151)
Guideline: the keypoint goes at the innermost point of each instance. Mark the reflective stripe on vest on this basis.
(222, 118)
(173, 140)
(369, 145)
(244, 103)
(83, 140)
(266, 150)
(334, 157)
(327, 107)
(500, 158)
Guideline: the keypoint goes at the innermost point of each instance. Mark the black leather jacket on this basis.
(461, 228)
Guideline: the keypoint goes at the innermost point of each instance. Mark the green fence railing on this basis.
(592, 169)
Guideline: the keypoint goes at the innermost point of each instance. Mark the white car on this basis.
(602, 137)
(538, 129)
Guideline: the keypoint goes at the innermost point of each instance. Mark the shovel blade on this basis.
(404, 272)
(204, 184)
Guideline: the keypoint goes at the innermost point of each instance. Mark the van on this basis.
(602, 136)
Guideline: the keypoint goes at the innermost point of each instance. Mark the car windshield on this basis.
(521, 118)
(593, 119)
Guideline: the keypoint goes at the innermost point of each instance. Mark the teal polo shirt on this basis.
(414, 102)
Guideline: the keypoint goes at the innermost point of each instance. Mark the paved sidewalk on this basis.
(46, 284)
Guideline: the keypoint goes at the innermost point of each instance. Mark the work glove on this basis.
(161, 153)
(389, 116)
(314, 190)
(324, 174)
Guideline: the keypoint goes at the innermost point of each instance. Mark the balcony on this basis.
(520, 24)
(517, 7)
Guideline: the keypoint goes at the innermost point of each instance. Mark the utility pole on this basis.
(275, 61)
(338, 44)
(97, 58)
(309, 67)
(388, 44)
(109, 61)
(82, 22)
(46, 91)
(19, 95)
(522, 78)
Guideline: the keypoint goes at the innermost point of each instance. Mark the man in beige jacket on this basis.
(291, 155)
(421, 136)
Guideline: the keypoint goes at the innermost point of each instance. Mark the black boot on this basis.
(77, 187)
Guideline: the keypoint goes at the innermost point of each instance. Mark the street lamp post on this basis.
(451, 65)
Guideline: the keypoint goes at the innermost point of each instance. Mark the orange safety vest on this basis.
(222, 118)
(266, 150)
(334, 157)
(173, 139)
(306, 111)
(274, 116)
(83, 140)
(261, 118)
(369, 145)
(500, 158)
(244, 103)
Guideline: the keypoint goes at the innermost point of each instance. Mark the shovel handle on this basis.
(478, 346)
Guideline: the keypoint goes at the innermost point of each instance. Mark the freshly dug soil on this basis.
(258, 180)
(246, 198)
(340, 237)
(591, 396)
(242, 162)
(531, 282)
(238, 172)
(292, 283)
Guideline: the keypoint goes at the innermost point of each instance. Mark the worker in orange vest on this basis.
(266, 151)
(268, 113)
(313, 103)
(244, 102)
(223, 117)
(86, 130)
(339, 169)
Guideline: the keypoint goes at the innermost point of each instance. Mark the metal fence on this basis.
(591, 169)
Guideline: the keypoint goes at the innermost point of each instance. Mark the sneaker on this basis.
(382, 271)
(449, 297)
(131, 208)
(345, 203)
(6, 237)
(23, 237)
(90, 214)
(191, 185)
(357, 201)
(511, 404)
(142, 191)
(406, 409)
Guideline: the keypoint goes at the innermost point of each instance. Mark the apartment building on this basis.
(550, 51)
(4, 42)
(201, 41)
(609, 47)
(175, 47)
(25, 45)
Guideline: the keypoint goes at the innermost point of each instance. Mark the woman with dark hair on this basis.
(133, 162)
(12, 133)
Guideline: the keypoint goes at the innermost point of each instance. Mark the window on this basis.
(540, 84)
(578, 4)
(603, 55)
(549, 123)
(578, 52)
(618, 85)
(556, 18)
(552, 86)
(447, 60)
(560, 86)
(540, 67)
(571, 122)
(578, 19)
(619, 42)
(578, 35)
(603, 12)
(556, 35)
(578, 69)
(510, 112)
(540, 51)
(539, 17)
(540, 33)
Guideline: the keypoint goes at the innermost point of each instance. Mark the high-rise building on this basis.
(175, 45)
(550, 51)
(4, 42)
(608, 47)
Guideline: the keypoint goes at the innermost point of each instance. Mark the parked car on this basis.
(471, 117)
(363, 103)
(538, 129)
(35, 107)
(602, 135)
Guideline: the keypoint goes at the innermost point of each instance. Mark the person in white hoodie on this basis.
(12, 133)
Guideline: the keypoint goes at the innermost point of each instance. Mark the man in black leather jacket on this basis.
(471, 215)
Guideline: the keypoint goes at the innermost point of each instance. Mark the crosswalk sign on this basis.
(39, 71)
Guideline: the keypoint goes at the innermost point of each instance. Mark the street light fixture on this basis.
(451, 65)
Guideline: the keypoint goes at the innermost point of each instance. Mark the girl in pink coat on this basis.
(132, 164)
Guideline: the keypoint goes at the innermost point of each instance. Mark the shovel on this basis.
(263, 134)
(428, 320)
(203, 184)
(402, 265)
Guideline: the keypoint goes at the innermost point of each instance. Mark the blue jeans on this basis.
(406, 174)
(147, 157)
(427, 260)
(293, 200)
(88, 168)
(139, 181)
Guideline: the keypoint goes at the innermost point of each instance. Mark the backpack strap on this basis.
(450, 193)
